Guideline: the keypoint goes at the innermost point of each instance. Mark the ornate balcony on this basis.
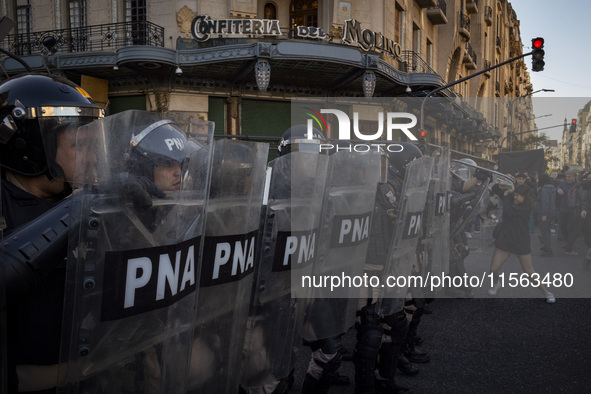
(437, 14)
(107, 37)
(486, 65)
(472, 6)
(469, 58)
(426, 3)
(488, 15)
(464, 25)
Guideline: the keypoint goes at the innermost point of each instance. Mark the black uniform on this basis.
(372, 326)
(34, 320)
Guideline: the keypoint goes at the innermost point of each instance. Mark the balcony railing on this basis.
(415, 63)
(107, 37)
(437, 15)
(464, 25)
(470, 58)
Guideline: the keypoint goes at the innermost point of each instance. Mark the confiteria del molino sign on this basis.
(202, 28)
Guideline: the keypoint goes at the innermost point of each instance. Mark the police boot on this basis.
(410, 352)
(396, 328)
(369, 338)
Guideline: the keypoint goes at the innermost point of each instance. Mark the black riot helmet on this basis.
(159, 144)
(296, 139)
(399, 158)
(34, 110)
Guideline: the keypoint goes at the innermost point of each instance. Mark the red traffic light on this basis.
(537, 42)
(422, 133)
(574, 121)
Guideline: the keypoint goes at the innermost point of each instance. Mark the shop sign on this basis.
(369, 39)
(203, 27)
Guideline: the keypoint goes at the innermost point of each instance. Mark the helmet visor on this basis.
(65, 149)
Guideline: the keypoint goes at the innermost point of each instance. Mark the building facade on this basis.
(240, 62)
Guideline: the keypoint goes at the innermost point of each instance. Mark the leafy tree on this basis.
(531, 142)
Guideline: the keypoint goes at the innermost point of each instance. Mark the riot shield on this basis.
(3, 360)
(470, 203)
(396, 278)
(290, 232)
(132, 261)
(226, 277)
(491, 213)
(435, 240)
(347, 210)
(482, 201)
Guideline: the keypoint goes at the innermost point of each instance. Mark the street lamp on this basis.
(511, 107)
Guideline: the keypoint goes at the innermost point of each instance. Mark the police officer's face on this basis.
(76, 157)
(168, 177)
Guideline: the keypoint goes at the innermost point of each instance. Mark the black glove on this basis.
(482, 175)
(138, 190)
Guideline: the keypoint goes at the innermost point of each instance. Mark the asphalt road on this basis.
(502, 344)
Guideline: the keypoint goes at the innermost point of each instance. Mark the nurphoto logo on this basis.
(344, 129)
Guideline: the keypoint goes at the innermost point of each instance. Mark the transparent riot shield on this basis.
(348, 206)
(491, 208)
(435, 240)
(470, 203)
(133, 257)
(485, 201)
(290, 235)
(3, 360)
(226, 277)
(396, 278)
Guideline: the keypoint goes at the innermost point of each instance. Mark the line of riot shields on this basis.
(213, 284)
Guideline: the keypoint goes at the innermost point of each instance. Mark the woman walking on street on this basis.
(514, 237)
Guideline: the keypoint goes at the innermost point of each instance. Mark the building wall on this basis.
(449, 42)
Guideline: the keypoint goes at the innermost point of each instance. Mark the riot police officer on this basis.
(39, 117)
(372, 326)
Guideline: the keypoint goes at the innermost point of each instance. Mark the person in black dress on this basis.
(514, 237)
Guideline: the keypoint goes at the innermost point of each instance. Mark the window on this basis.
(416, 39)
(23, 16)
(136, 12)
(77, 13)
(429, 53)
(304, 13)
(270, 11)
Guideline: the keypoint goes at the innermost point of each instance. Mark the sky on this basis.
(565, 26)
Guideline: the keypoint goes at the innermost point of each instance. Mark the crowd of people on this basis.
(561, 202)
(40, 154)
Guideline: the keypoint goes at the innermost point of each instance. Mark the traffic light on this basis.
(537, 55)
(573, 126)
(423, 141)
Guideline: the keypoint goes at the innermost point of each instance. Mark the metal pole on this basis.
(465, 79)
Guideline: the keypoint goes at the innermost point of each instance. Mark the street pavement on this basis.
(501, 344)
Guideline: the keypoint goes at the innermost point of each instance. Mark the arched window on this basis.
(303, 13)
(270, 11)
